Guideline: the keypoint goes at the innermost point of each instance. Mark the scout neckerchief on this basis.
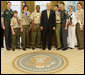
(26, 16)
(17, 20)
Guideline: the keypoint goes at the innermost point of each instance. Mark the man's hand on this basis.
(21, 29)
(30, 28)
(66, 28)
(3, 27)
(41, 28)
(81, 28)
(13, 33)
(54, 28)
(34, 29)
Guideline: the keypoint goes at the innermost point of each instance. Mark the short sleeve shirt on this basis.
(57, 17)
(7, 15)
(15, 23)
(64, 16)
(25, 17)
(35, 16)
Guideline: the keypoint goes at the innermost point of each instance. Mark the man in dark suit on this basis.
(48, 24)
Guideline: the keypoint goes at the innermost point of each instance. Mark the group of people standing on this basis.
(68, 27)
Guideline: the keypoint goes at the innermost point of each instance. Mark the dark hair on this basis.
(62, 3)
(8, 2)
(25, 6)
(56, 6)
(37, 6)
(15, 12)
(71, 7)
(79, 3)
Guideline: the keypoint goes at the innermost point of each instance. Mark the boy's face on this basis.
(55, 8)
(61, 6)
(38, 8)
(15, 14)
(25, 8)
(78, 6)
(70, 9)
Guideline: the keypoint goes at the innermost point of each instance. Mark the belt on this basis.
(57, 20)
(63, 24)
(36, 24)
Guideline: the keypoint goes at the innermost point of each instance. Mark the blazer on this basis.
(48, 23)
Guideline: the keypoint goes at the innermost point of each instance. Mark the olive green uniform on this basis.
(80, 22)
(15, 38)
(36, 35)
(7, 15)
(25, 17)
(64, 33)
(57, 31)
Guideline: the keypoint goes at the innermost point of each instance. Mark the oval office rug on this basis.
(39, 62)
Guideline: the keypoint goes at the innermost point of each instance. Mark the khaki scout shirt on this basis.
(25, 17)
(80, 16)
(15, 23)
(57, 17)
(35, 16)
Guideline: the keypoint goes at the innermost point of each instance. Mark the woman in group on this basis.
(72, 41)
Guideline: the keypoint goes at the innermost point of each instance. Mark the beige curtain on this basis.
(3, 5)
(31, 5)
(53, 3)
(82, 3)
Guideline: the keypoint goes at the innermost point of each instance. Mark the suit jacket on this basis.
(48, 23)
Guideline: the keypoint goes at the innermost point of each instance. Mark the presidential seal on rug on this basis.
(39, 62)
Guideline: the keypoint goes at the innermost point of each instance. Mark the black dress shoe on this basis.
(33, 48)
(76, 46)
(13, 49)
(44, 48)
(64, 49)
(49, 48)
(80, 48)
(24, 49)
(59, 48)
(18, 48)
(70, 48)
(8, 48)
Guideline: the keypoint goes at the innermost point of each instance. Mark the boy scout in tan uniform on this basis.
(36, 34)
(58, 26)
(15, 27)
(25, 21)
(80, 26)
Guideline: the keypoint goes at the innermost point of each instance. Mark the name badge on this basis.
(35, 16)
(15, 24)
(7, 12)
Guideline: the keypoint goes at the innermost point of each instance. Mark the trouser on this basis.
(64, 34)
(36, 36)
(16, 38)
(44, 39)
(72, 40)
(80, 36)
(2, 33)
(8, 38)
(57, 33)
(25, 36)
